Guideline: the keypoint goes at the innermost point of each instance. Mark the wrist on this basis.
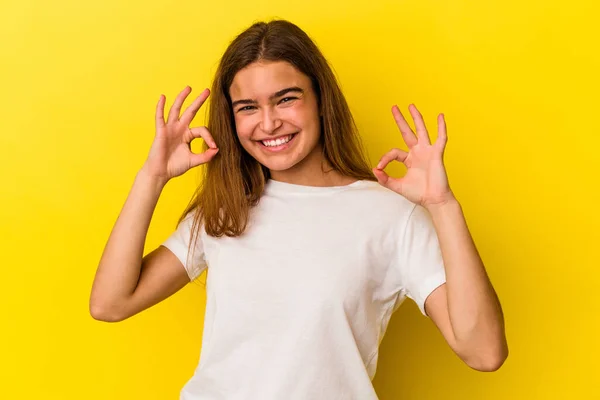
(450, 203)
(157, 181)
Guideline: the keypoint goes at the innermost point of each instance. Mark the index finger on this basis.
(203, 132)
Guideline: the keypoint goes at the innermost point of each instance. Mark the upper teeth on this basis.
(277, 142)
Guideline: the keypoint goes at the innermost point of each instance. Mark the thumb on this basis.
(395, 184)
(381, 176)
(203, 158)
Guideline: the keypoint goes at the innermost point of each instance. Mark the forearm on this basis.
(473, 306)
(119, 268)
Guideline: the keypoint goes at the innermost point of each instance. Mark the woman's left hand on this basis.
(425, 182)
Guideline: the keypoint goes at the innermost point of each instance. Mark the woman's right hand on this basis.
(171, 154)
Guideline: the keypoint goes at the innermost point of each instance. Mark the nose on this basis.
(270, 120)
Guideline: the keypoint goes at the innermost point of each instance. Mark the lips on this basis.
(277, 144)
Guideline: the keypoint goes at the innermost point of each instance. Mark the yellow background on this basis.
(517, 81)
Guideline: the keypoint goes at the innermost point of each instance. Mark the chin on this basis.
(278, 165)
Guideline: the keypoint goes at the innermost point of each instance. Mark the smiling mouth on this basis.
(279, 143)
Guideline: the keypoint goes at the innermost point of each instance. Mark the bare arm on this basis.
(466, 309)
(126, 282)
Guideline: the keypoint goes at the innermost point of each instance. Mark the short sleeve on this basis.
(178, 242)
(422, 266)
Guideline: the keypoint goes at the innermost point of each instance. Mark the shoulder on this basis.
(191, 225)
(381, 197)
(377, 205)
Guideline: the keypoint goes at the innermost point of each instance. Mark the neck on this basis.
(314, 170)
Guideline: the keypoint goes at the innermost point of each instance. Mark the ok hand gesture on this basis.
(425, 182)
(170, 154)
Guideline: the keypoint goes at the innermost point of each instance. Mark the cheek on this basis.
(244, 128)
(298, 117)
(308, 123)
(308, 114)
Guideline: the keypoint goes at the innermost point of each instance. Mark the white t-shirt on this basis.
(298, 305)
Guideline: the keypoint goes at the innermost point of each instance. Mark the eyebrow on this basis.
(280, 93)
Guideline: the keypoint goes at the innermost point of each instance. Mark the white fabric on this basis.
(298, 305)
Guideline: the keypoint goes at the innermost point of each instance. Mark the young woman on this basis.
(309, 251)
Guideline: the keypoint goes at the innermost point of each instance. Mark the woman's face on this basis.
(276, 115)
